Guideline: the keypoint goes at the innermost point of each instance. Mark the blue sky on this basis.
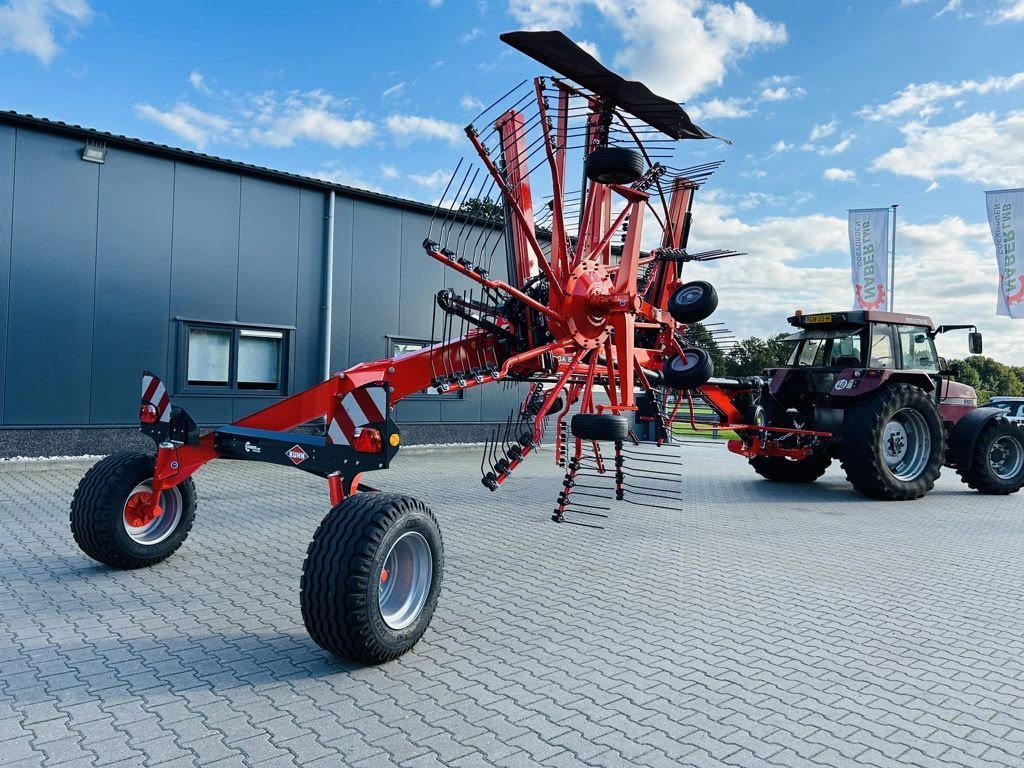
(829, 105)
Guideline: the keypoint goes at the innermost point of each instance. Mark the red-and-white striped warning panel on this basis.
(154, 393)
(366, 405)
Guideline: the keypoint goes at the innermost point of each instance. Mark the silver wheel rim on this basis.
(159, 528)
(1006, 457)
(690, 295)
(685, 361)
(906, 444)
(405, 580)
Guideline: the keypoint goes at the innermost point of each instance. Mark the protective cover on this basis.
(558, 52)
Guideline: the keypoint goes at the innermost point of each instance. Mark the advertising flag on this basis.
(1006, 220)
(869, 257)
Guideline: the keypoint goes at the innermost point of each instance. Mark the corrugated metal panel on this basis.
(133, 273)
(53, 253)
(7, 141)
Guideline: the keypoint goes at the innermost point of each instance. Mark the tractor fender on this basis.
(964, 436)
(848, 385)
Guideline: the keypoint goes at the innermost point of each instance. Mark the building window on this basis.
(401, 346)
(234, 359)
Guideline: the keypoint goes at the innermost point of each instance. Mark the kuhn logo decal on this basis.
(296, 454)
(250, 448)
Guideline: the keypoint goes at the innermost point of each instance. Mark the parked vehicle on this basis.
(1013, 407)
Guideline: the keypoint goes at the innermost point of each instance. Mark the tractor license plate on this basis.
(814, 319)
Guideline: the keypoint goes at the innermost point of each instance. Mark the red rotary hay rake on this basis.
(584, 309)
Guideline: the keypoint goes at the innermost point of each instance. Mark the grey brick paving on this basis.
(748, 625)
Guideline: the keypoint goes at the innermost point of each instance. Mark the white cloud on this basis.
(590, 48)
(409, 128)
(721, 109)
(31, 26)
(473, 34)
(980, 148)
(782, 93)
(435, 3)
(191, 123)
(780, 146)
(839, 174)
(394, 90)
(433, 181)
(679, 48)
(839, 147)
(348, 177)
(804, 262)
(471, 103)
(198, 82)
(823, 130)
(266, 118)
(1012, 10)
(922, 99)
(389, 172)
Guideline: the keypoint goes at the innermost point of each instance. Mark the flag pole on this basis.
(892, 262)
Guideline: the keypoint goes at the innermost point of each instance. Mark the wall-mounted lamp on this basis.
(94, 152)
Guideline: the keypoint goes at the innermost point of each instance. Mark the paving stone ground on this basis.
(742, 624)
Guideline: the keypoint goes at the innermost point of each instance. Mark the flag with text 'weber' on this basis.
(869, 257)
(1006, 220)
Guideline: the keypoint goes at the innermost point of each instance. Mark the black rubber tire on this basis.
(779, 469)
(862, 451)
(97, 512)
(692, 302)
(342, 575)
(600, 426)
(689, 372)
(614, 165)
(981, 476)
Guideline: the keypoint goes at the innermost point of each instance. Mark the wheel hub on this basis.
(906, 444)
(895, 442)
(1006, 457)
(148, 523)
(405, 580)
(587, 324)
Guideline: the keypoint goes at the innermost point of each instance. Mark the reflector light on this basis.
(368, 440)
(147, 414)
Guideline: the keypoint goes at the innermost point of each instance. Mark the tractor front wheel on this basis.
(893, 444)
(998, 462)
(372, 577)
(108, 517)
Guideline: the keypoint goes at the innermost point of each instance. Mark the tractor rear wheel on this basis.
(893, 444)
(998, 462)
(107, 513)
(692, 302)
(614, 165)
(600, 426)
(689, 370)
(372, 577)
(779, 469)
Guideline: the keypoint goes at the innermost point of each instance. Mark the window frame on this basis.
(232, 389)
(428, 394)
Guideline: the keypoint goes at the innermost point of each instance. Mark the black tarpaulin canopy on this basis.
(558, 52)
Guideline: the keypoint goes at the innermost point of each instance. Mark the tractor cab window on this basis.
(918, 349)
(827, 348)
(881, 355)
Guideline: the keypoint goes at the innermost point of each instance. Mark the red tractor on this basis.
(869, 389)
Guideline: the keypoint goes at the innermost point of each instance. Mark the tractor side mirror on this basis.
(974, 343)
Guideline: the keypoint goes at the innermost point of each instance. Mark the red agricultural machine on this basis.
(585, 318)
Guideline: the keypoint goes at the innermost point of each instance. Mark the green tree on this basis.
(697, 335)
(751, 356)
(484, 208)
(990, 377)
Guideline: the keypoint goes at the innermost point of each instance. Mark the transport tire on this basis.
(372, 577)
(689, 370)
(105, 513)
(893, 444)
(600, 426)
(614, 165)
(779, 469)
(692, 302)
(998, 462)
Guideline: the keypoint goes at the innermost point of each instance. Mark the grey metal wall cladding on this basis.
(344, 213)
(133, 273)
(53, 248)
(7, 136)
(375, 258)
(307, 345)
(204, 266)
(268, 253)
